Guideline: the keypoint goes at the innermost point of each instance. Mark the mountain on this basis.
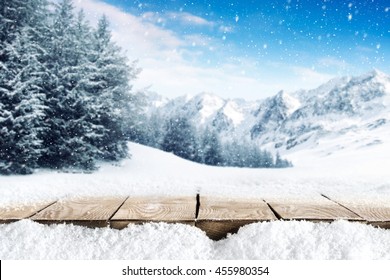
(351, 109)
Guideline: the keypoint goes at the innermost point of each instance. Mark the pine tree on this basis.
(211, 148)
(21, 94)
(179, 138)
(64, 89)
(28, 106)
(281, 163)
(153, 132)
(111, 92)
(68, 141)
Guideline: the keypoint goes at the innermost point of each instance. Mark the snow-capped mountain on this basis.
(350, 109)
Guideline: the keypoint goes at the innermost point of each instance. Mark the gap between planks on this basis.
(374, 212)
(15, 213)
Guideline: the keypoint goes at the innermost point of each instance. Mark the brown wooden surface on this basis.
(216, 216)
(321, 209)
(369, 210)
(14, 213)
(124, 224)
(167, 209)
(89, 211)
(224, 209)
(220, 216)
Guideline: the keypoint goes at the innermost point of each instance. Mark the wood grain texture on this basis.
(368, 210)
(164, 209)
(221, 216)
(224, 209)
(124, 224)
(322, 209)
(89, 211)
(14, 213)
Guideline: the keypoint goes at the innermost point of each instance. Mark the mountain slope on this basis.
(342, 107)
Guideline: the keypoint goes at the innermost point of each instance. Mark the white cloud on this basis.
(333, 62)
(141, 39)
(154, 17)
(183, 18)
(187, 18)
(169, 60)
(335, 65)
(310, 77)
(161, 55)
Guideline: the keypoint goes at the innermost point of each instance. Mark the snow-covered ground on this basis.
(354, 172)
(268, 240)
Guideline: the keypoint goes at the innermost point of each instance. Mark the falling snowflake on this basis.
(237, 18)
(349, 17)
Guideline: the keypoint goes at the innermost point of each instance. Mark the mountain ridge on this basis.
(286, 121)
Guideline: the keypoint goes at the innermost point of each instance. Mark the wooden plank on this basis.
(315, 209)
(220, 216)
(374, 211)
(370, 212)
(15, 213)
(124, 224)
(137, 210)
(217, 208)
(93, 212)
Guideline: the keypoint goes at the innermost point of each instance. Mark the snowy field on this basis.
(354, 173)
(362, 173)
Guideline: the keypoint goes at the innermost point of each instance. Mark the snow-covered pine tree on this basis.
(64, 89)
(180, 138)
(21, 93)
(136, 119)
(28, 113)
(67, 141)
(211, 148)
(281, 163)
(153, 133)
(111, 90)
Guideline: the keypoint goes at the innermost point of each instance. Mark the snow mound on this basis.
(269, 240)
(362, 173)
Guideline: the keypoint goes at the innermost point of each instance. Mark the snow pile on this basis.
(306, 240)
(269, 240)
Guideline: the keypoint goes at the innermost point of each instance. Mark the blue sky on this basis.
(249, 49)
